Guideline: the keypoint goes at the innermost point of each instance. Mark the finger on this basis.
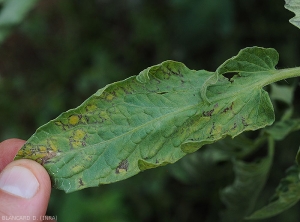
(8, 151)
(24, 190)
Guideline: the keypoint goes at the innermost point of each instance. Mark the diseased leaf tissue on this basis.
(154, 119)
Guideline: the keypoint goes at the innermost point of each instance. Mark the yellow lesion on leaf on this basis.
(35, 152)
(79, 134)
(74, 119)
(76, 144)
(104, 114)
(91, 108)
(58, 123)
(61, 125)
(78, 168)
(24, 152)
(109, 97)
(122, 171)
(29, 150)
(42, 148)
(52, 146)
(218, 129)
(77, 139)
(28, 146)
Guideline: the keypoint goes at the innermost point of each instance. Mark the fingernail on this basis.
(19, 181)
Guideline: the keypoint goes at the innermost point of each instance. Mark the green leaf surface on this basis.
(287, 195)
(154, 119)
(294, 6)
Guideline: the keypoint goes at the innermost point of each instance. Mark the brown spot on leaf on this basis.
(123, 165)
(161, 93)
(208, 113)
(177, 72)
(212, 128)
(228, 108)
(46, 158)
(80, 182)
(61, 125)
(244, 122)
(126, 90)
(234, 126)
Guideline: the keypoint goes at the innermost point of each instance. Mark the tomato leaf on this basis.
(154, 119)
(287, 195)
(283, 128)
(240, 197)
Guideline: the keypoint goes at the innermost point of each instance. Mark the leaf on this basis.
(12, 13)
(282, 93)
(154, 119)
(283, 128)
(251, 60)
(298, 157)
(240, 197)
(287, 195)
(202, 165)
(242, 147)
(294, 6)
(246, 62)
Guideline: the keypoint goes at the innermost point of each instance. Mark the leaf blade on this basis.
(287, 195)
(146, 121)
(250, 177)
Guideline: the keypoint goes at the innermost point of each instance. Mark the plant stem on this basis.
(281, 74)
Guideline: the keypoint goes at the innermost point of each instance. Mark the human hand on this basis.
(24, 185)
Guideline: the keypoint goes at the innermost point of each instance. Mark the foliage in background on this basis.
(65, 50)
(13, 13)
(294, 6)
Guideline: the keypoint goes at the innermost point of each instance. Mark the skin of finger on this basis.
(37, 205)
(12, 205)
(8, 151)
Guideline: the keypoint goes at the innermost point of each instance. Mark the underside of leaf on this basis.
(153, 119)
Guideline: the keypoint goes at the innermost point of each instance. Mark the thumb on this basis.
(24, 191)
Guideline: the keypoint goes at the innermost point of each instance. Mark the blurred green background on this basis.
(55, 54)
